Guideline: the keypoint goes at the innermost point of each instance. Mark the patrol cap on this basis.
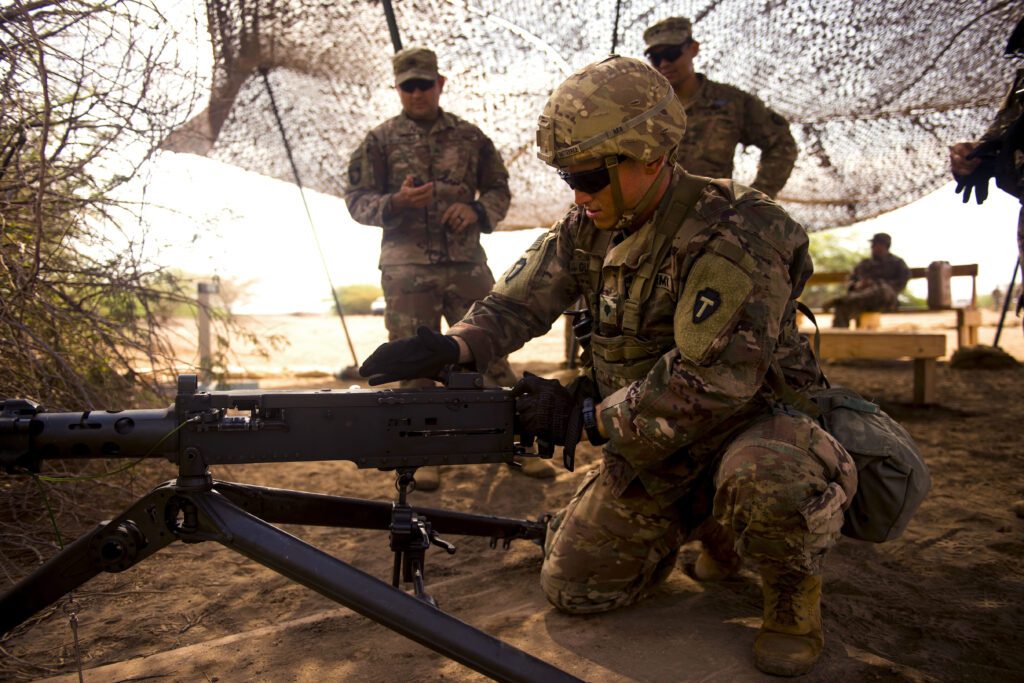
(882, 238)
(414, 62)
(671, 31)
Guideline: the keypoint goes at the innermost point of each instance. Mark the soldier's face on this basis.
(422, 105)
(678, 71)
(635, 177)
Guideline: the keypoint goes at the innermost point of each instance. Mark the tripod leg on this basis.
(111, 546)
(221, 520)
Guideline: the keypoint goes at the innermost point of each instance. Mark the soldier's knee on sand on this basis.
(604, 551)
(781, 491)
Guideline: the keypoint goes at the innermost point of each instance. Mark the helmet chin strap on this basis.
(626, 217)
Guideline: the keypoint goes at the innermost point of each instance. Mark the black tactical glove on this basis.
(977, 179)
(549, 413)
(423, 355)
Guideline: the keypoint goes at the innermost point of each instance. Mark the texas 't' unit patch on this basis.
(714, 291)
(708, 301)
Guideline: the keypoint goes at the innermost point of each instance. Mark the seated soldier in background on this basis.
(875, 283)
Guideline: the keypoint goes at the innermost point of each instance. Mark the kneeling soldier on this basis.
(692, 284)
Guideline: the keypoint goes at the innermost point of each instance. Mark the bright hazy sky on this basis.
(210, 219)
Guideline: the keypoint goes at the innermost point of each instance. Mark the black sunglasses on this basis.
(670, 54)
(414, 84)
(590, 181)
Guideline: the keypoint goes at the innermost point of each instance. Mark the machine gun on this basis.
(398, 429)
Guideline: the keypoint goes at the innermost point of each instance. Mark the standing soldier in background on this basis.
(875, 284)
(692, 284)
(1000, 151)
(719, 116)
(434, 183)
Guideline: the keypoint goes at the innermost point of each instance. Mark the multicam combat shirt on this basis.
(718, 118)
(720, 309)
(453, 154)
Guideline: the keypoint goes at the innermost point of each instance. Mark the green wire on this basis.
(39, 478)
(49, 511)
(123, 468)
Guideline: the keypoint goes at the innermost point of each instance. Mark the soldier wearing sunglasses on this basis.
(434, 183)
(692, 284)
(719, 116)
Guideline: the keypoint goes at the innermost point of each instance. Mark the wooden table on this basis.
(923, 349)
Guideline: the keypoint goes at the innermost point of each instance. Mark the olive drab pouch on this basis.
(892, 477)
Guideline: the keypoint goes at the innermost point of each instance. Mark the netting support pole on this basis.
(298, 181)
(389, 14)
(1006, 302)
(615, 28)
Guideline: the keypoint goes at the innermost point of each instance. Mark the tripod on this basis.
(195, 507)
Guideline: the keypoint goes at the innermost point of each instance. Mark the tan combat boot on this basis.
(428, 478)
(536, 468)
(790, 638)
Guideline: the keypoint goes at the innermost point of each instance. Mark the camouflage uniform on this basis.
(875, 285)
(685, 334)
(427, 270)
(720, 117)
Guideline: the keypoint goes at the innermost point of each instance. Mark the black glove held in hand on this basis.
(977, 179)
(424, 355)
(547, 411)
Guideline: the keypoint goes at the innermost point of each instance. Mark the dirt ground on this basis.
(942, 603)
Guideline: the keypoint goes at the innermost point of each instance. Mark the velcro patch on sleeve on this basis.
(715, 290)
(519, 280)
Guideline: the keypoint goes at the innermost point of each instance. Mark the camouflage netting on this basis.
(874, 91)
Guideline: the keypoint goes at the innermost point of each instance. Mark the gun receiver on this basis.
(463, 423)
(459, 425)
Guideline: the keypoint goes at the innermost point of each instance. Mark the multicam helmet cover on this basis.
(616, 106)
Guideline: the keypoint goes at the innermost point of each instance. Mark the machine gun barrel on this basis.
(463, 423)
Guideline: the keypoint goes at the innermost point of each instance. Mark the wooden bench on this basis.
(968, 319)
(923, 349)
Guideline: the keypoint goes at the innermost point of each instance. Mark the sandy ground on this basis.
(942, 603)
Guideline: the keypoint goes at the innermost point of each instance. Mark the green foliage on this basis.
(831, 253)
(84, 99)
(356, 299)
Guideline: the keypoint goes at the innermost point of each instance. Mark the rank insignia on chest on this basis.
(706, 303)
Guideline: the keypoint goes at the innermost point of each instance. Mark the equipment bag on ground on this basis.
(893, 478)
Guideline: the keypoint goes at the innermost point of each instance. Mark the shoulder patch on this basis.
(524, 277)
(516, 268)
(714, 291)
(708, 301)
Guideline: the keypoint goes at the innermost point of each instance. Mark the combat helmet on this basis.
(616, 107)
